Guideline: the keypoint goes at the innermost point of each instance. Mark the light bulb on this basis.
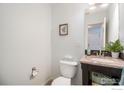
(91, 3)
(92, 7)
(104, 5)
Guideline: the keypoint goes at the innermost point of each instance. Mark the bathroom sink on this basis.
(95, 60)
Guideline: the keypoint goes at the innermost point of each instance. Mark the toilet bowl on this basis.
(68, 69)
(61, 81)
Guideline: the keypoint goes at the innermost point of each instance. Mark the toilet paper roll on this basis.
(34, 73)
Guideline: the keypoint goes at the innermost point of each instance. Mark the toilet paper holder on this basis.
(33, 73)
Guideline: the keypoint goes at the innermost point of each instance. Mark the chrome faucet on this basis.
(101, 53)
(96, 53)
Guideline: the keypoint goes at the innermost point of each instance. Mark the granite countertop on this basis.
(103, 61)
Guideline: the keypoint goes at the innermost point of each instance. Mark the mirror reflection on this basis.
(101, 25)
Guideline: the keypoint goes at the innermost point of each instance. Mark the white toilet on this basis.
(68, 69)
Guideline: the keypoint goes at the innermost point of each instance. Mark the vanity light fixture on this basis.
(104, 5)
(92, 8)
(91, 3)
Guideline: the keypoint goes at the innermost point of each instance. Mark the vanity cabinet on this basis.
(87, 69)
(110, 69)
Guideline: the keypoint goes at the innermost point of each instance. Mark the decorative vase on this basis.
(115, 54)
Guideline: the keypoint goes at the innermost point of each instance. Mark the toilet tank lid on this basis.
(74, 63)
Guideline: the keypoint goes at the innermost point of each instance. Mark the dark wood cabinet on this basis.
(87, 69)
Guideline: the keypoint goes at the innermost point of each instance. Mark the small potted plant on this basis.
(115, 48)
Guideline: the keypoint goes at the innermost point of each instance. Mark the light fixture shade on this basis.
(91, 3)
(92, 7)
(104, 5)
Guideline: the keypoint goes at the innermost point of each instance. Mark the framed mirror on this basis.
(101, 25)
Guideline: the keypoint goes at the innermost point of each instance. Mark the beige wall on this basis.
(113, 22)
(121, 23)
(25, 31)
(73, 43)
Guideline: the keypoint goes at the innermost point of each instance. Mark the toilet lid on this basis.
(61, 81)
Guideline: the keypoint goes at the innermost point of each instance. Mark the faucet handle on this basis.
(103, 53)
(100, 53)
(96, 52)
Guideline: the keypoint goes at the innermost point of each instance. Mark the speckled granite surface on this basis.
(103, 61)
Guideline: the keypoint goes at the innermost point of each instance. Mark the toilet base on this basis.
(61, 81)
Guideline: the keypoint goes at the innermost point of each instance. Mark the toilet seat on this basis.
(61, 81)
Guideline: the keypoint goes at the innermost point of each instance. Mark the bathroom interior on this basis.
(61, 44)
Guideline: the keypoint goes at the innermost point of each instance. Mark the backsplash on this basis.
(94, 52)
(106, 53)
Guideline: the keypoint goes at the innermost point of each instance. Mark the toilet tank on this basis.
(68, 68)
